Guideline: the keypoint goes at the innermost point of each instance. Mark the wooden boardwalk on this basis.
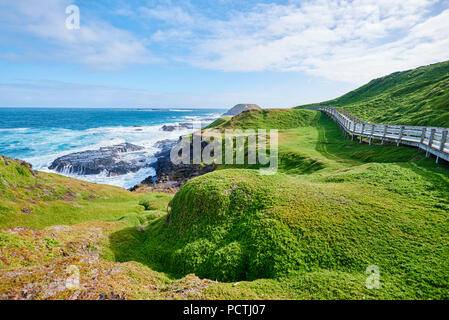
(433, 140)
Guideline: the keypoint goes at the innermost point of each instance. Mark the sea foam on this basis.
(41, 146)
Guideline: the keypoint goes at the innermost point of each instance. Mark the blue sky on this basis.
(210, 53)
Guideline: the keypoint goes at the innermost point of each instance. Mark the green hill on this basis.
(334, 208)
(268, 119)
(310, 231)
(415, 97)
(38, 199)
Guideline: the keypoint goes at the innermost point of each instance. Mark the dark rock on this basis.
(165, 145)
(112, 160)
(111, 296)
(28, 166)
(25, 164)
(179, 126)
(170, 176)
(27, 211)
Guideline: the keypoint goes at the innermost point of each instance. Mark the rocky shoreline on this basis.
(112, 161)
(169, 176)
(125, 158)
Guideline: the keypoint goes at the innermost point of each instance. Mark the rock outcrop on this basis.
(241, 108)
(169, 176)
(114, 160)
(179, 126)
(7, 161)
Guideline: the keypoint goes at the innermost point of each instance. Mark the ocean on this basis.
(40, 135)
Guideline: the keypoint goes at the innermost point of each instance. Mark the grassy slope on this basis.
(270, 119)
(335, 208)
(415, 97)
(41, 199)
(308, 232)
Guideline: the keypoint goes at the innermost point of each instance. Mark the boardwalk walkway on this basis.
(433, 140)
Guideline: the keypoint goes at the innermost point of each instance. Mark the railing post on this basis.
(361, 132)
(345, 126)
(443, 140)
(423, 135)
(349, 124)
(432, 135)
(372, 135)
(385, 134)
(401, 132)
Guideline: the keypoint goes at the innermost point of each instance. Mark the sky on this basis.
(209, 54)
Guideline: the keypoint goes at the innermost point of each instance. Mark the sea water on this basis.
(40, 135)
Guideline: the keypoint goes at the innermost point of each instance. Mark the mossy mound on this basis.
(233, 225)
(220, 226)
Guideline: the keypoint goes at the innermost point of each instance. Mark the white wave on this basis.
(46, 145)
(126, 181)
(14, 129)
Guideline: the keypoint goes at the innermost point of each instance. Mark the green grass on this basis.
(268, 119)
(218, 122)
(415, 97)
(311, 142)
(51, 199)
(235, 225)
(310, 231)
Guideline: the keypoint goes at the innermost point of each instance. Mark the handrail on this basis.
(433, 140)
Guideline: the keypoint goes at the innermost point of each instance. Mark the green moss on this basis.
(50, 242)
(310, 231)
(54, 199)
(12, 240)
(234, 225)
(269, 119)
(146, 204)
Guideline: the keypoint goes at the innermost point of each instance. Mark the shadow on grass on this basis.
(128, 245)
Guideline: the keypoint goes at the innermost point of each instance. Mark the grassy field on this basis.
(334, 208)
(38, 200)
(415, 97)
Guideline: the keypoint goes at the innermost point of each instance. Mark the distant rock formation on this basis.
(241, 108)
(179, 126)
(113, 161)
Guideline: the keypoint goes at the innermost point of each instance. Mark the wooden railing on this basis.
(433, 140)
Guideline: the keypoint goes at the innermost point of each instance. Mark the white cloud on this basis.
(172, 14)
(351, 41)
(96, 43)
(425, 43)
